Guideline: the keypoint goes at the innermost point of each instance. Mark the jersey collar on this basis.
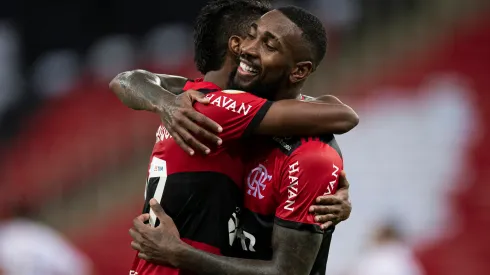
(201, 85)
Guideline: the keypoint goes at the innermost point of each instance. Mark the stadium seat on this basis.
(69, 140)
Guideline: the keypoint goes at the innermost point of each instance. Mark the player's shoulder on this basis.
(306, 145)
(201, 86)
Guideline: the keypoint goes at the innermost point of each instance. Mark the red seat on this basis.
(69, 140)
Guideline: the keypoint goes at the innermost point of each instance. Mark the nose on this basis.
(249, 48)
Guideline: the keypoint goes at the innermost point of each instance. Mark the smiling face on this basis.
(271, 56)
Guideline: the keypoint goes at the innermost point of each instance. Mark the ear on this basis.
(301, 71)
(234, 44)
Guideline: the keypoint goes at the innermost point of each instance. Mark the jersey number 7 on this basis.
(157, 175)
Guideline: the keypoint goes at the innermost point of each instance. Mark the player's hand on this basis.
(332, 209)
(156, 244)
(187, 126)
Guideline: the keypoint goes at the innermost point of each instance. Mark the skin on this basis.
(143, 90)
(269, 50)
(162, 245)
(272, 45)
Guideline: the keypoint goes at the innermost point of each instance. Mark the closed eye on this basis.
(269, 47)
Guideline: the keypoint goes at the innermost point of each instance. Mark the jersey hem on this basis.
(314, 228)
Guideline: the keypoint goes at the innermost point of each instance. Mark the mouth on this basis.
(247, 69)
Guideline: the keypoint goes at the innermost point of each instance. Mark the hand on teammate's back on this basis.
(332, 209)
(155, 244)
(187, 126)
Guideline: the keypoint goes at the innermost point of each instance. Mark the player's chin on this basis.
(245, 83)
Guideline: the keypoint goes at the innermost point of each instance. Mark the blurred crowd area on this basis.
(73, 160)
(46, 47)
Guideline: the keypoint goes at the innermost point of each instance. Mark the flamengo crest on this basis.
(256, 181)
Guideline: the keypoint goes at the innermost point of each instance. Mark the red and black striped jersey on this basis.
(284, 178)
(202, 193)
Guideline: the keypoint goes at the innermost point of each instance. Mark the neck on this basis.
(289, 93)
(221, 77)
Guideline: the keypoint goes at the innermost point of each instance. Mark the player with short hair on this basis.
(238, 113)
(282, 49)
(224, 19)
(143, 90)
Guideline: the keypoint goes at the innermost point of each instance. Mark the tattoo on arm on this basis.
(172, 83)
(140, 90)
(294, 254)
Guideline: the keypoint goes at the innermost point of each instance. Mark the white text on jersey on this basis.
(293, 186)
(331, 184)
(229, 104)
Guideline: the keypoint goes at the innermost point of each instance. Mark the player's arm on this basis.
(143, 90)
(294, 254)
(296, 237)
(288, 117)
(283, 118)
(294, 251)
(332, 209)
(323, 115)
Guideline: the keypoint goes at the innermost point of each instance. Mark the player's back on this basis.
(284, 179)
(201, 193)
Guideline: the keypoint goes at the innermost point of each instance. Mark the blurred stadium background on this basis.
(418, 73)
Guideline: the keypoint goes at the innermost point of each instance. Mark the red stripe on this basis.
(203, 246)
(143, 267)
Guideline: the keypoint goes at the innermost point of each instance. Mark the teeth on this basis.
(247, 68)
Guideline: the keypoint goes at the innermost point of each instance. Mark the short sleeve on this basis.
(239, 113)
(311, 171)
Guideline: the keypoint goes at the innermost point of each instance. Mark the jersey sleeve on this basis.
(312, 170)
(239, 113)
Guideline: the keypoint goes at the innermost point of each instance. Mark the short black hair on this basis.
(216, 23)
(313, 31)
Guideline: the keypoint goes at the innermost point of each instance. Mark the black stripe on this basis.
(207, 91)
(332, 142)
(259, 116)
(314, 228)
(287, 145)
(204, 91)
(201, 205)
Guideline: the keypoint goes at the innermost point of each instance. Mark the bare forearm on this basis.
(292, 117)
(294, 254)
(138, 90)
(172, 83)
(205, 263)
